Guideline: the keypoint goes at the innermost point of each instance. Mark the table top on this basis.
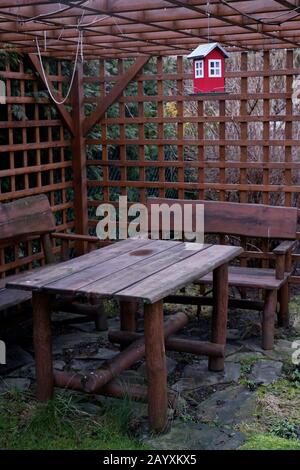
(133, 269)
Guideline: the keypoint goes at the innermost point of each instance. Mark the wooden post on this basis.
(128, 315)
(79, 160)
(269, 319)
(219, 315)
(48, 248)
(42, 339)
(156, 366)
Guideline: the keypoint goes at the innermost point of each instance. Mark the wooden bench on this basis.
(32, 218)
(237, 223)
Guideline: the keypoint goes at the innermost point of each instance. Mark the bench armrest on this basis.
(83, 243)
(74, 237)
(284, 262)
(285, 247)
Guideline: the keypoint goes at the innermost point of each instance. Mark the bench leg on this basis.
(42, 339)
(156, 367)
(268, 324)
(283, 298)
(219, 315)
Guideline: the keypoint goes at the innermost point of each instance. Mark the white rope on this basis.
(79, 48)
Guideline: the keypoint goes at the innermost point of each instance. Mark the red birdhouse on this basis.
(209, 68)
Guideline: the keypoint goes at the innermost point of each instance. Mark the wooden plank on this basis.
(169, 280)
(29, 216)
(141, 270)
(115, 93)
(65, 115)
(38, 278)
(252, 220)
(79, 282)
(250, 277)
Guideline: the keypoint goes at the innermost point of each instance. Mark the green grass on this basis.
(268, 442)
(61, 424)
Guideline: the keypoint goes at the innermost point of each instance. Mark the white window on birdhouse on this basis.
(215, 68)
(199, 69)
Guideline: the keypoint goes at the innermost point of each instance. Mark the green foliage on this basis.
(18, 112)
(9, 57)
(269, 442)
(63, 423)
(284, 429)
(247, 363)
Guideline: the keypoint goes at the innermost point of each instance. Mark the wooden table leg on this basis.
(219, 315)
(128, 315)
(42, 339)
(100, 314)
(156, 366)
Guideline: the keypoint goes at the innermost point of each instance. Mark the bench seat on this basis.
(250, 277)
(12, 297)
(255, 227)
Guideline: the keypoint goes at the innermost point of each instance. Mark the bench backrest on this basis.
(27, 217)
(249, 220)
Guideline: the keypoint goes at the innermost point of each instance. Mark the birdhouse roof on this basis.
(204, 49)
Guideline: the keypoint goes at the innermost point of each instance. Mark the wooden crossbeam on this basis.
(116, 92)
(288, 4)
(235, 23)
(64, 114)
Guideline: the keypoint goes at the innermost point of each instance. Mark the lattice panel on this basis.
(160, 140)
(35, 154)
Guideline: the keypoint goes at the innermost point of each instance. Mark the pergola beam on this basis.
(215, 14)
(121, 28)
(289, 4)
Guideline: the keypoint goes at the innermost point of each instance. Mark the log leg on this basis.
(156, 367)
(128, 316)
(283, 298)
(100, 314)
(42, 339)
(269, 319)
(219, 315)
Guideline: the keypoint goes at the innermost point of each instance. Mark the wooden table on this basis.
(131, 271)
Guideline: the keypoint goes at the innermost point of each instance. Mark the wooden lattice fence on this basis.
(35, 153)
